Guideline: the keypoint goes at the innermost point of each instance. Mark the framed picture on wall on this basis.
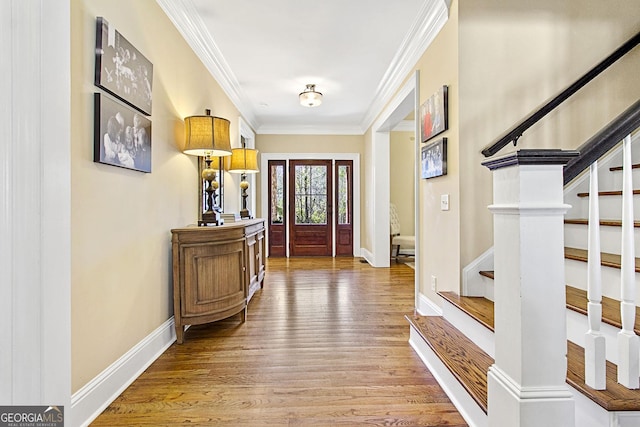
(122, 136)
(433, 160)
(435, 114)
(121, 69)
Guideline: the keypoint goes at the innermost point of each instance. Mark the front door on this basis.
(310, 208)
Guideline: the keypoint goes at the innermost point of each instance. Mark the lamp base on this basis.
(245, 214)
(210, 218)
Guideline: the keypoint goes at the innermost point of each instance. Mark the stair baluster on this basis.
(628, 345)
(595, 342)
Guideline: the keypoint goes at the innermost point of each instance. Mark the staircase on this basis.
(459, 346)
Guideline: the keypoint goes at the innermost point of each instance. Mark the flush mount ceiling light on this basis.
(309, 97)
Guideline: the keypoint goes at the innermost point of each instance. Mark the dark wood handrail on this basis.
(603, 141)
(518, 129)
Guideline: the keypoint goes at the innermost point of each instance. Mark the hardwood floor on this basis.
(325, 344)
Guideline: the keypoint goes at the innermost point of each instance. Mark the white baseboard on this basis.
(367, 255)
(89, 402)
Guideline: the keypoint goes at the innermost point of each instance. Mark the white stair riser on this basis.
(576, 276)
(610, 207)
(481, 335)
(576, 236)
(578, 325)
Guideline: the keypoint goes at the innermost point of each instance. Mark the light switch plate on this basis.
(444, 202)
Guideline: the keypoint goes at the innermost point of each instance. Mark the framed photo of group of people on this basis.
(434, 121)
(122, 132)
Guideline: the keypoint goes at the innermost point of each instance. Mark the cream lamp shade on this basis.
(243, 160)
(207, 136)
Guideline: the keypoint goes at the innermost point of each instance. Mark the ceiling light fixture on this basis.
(309, 97)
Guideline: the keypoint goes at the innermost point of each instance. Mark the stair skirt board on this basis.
(464, 403)
(589, 414)
(473, 284)
(426, 307)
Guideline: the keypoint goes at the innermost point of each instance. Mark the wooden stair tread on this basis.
(577, 301)
(488, 274)
(466, 361)
(479, 308)
(608, 193)
(606, 259)
(603, 222)
(619, 168)
(615, 398)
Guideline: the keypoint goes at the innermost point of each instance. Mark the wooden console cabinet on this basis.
(216, 270)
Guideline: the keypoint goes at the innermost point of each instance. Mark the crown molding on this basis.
(430, 20)
(309, 130)
(188, 22)
(405, 126)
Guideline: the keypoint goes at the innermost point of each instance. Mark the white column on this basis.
(526, 384)
(595, 343)
(35, 203)
(628, 346)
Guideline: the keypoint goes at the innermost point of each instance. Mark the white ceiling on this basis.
(263, 53)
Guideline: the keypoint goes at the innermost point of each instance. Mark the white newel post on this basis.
(526, 384)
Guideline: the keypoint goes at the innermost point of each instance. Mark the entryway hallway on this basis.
(325, 344)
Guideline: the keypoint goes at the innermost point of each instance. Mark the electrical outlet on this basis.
(444, 202)
(434, 283)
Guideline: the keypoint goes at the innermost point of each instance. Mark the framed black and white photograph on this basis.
(434, 159)
(122, 136)
(435, 114)
(121, 69)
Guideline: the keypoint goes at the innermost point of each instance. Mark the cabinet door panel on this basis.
(216, 276)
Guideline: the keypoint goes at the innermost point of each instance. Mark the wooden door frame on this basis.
(355, 157)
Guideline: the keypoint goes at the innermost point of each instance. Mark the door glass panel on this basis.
(277, 194)
(310, 194)
(343, 194)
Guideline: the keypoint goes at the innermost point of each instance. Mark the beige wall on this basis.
(501, 59)
(121, 219)
(402, 178)
(440, 230)
(513, 57)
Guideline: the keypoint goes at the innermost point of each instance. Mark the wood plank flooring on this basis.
(325, 344)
